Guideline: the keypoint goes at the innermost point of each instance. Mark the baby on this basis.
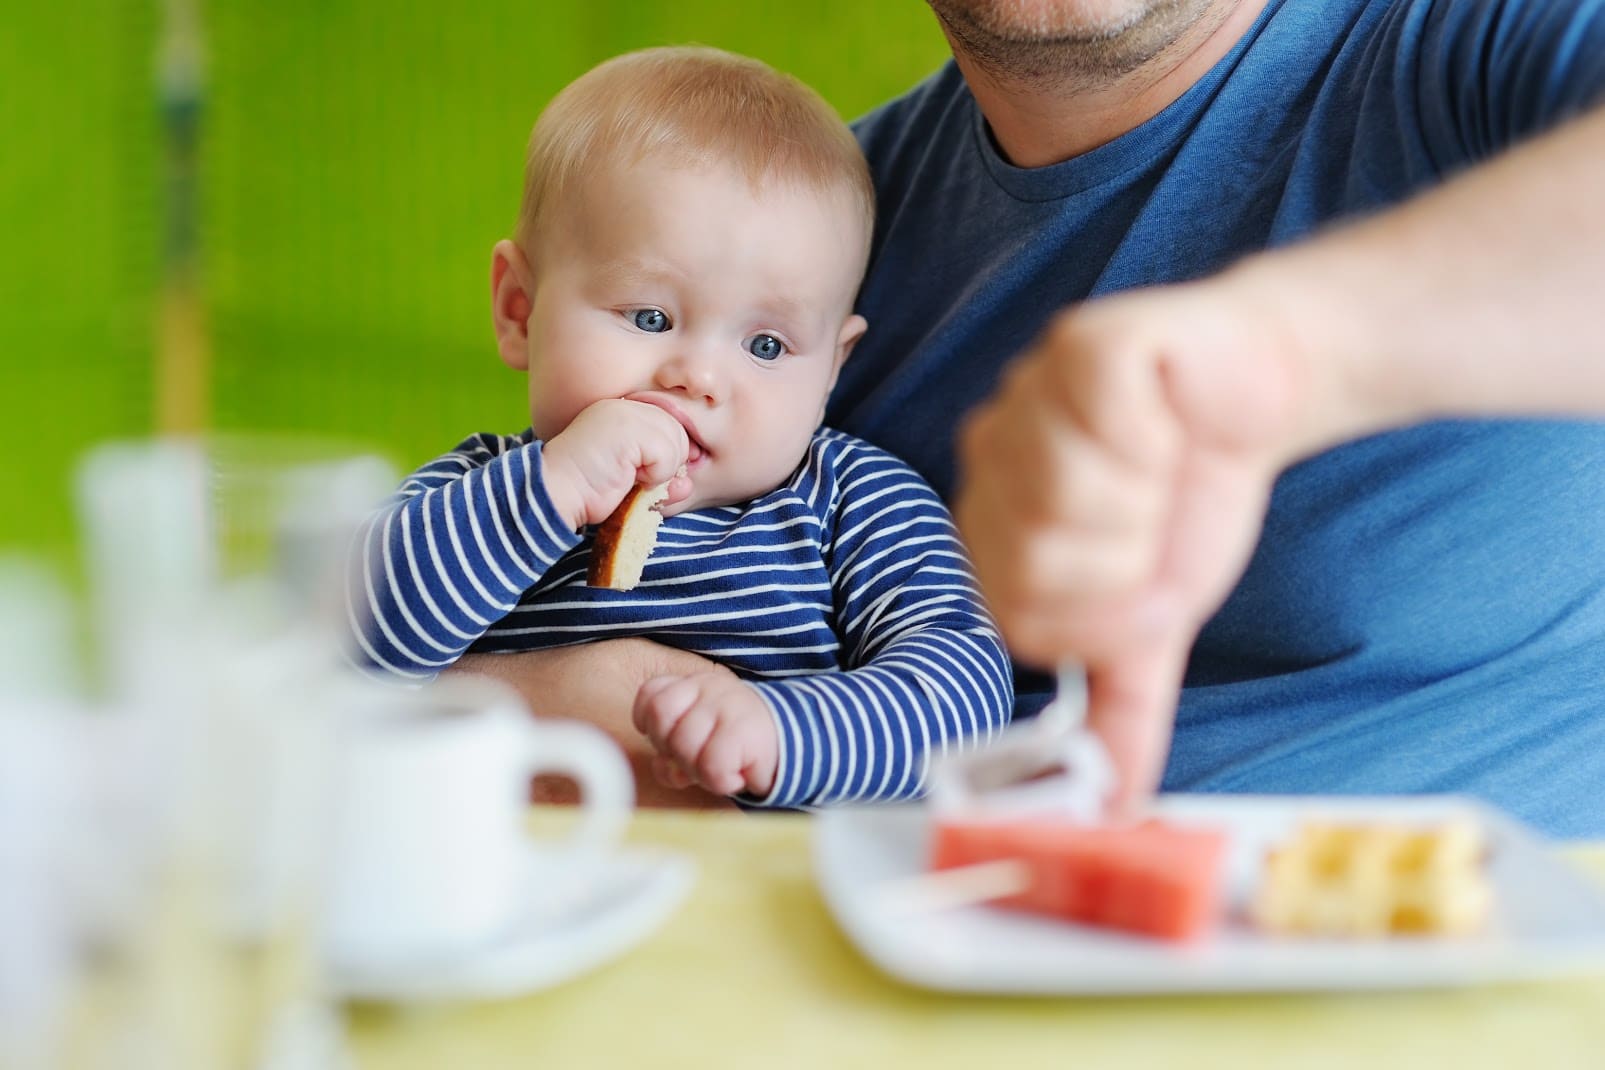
(680, 291)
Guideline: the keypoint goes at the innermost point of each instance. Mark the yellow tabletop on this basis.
(751, 972)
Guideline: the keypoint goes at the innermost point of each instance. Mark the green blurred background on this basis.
(353, 163)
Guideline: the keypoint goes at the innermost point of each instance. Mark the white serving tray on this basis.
(1548, 918)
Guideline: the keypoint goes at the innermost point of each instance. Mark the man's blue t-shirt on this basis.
(1426, 608)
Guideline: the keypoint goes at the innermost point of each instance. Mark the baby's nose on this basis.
(695, 369)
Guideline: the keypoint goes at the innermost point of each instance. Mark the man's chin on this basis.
(1046, 21)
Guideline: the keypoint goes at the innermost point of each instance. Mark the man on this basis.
(1426, 610)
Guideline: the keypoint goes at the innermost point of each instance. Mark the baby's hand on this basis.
(710, 729)
(612, 445)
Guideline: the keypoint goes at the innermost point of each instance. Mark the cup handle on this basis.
(607, 787)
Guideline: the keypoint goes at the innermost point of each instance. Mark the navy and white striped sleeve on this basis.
(452, 553)
(926, 668)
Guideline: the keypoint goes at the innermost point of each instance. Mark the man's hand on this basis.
(710, 729)
(611, 446)
(597, 683)
(1112, 492)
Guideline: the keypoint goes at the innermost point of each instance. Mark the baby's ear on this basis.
(846, 339)
(512, 296)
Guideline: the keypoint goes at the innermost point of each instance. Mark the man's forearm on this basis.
(1480, 297)
(596, 683)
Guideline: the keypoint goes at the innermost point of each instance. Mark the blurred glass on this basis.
(38, 960)
(217, 599)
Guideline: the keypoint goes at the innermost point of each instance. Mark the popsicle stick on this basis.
(949, 889)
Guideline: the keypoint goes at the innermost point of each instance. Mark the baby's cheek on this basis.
(549, 416)
(769, 463)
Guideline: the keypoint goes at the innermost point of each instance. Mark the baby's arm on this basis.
(470, 532)
(926, 669)
(451, 554)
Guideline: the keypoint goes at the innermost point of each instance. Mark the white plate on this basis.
(1549, 918)
(634, 892)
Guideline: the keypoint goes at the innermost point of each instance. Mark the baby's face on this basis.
(725, 305)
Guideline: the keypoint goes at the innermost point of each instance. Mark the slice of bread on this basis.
(625, 539)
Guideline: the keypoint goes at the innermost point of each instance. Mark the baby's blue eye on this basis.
(766, 347)
(650, 320)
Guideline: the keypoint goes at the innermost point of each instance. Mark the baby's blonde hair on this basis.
(688, 106)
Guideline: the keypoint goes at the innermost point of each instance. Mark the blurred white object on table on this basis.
(1050, 764)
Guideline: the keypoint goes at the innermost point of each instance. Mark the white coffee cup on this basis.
(432, 856)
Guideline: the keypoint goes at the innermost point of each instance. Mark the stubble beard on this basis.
(1066, 54)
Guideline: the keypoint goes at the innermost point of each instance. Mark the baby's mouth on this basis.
(695, 453)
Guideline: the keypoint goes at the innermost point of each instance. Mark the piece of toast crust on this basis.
(625, 539)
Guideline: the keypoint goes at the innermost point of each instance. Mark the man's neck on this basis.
(1039, 120)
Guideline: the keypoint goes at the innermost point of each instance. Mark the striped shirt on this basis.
(843, 597)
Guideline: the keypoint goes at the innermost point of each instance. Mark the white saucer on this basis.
(634, 892)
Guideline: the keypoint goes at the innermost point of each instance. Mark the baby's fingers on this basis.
(668, 773)
(719, 766)
(685, 742)
(665, 448)
(679, 488)
(659, 705)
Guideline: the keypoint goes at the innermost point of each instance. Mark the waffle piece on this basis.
(1375, 880)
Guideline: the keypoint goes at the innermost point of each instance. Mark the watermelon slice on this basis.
(1153, 878)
